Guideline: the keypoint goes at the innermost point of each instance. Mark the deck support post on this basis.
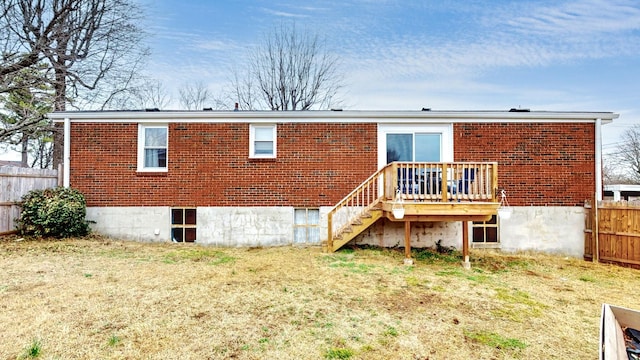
(407, 243)
(465, 245)
(330, 232)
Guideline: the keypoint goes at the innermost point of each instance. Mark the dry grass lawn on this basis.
(104, 299)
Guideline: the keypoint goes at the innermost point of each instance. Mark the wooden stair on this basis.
(356, 212)
(358, 224)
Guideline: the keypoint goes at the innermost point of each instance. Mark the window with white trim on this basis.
(262, 141)
(485, 233)
(414, 142)
(153, 143)
(306, 226)
(183, 225)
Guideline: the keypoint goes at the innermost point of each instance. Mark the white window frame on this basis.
(306, 225)
(445, 131)
(141, 132)
(252, 140)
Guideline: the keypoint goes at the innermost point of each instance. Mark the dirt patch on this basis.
(106, 299)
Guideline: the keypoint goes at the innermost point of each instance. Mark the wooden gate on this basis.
(612, 232)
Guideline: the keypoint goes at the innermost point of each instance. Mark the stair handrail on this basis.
(372, 180)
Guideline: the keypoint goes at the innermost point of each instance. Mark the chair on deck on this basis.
(408, 183)
(468, 177)
(432, 184)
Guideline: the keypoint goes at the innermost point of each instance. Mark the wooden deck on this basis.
(449, 211)
(427, 192)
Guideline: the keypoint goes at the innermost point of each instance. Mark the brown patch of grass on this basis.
(105, 299)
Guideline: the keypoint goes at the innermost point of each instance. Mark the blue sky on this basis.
(573, 55)
(578, 55)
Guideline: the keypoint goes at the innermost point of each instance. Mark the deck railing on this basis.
(455, 181)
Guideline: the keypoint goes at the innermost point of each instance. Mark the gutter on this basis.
(330, 116)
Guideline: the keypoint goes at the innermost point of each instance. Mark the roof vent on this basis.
(519, 110)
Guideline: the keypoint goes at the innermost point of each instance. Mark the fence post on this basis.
(60, 175)
(595, 226)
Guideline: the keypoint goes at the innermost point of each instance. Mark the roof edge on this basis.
(327, 115)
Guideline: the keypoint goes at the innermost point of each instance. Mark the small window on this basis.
(306, 228)
(262, 141)
(152, 147)
(183, 225)
(485, 233)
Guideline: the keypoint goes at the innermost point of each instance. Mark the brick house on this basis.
(278, 178)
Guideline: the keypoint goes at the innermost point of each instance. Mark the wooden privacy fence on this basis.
(15, 182)
(612, 232)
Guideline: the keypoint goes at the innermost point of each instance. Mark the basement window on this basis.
(306, 226)
(183, 225)
(485, 233)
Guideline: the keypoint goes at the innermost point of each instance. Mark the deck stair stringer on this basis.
(358, 224)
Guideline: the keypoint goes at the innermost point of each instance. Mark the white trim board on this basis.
(332, 116)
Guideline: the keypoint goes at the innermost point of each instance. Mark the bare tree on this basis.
(92, 46)
(195, 96)
(288, 71)
(243, 92)
(151, 94)
(627, 158)
(613, 173)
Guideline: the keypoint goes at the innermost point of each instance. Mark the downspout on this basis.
(67, 152)
(598, 159)
(595, 225)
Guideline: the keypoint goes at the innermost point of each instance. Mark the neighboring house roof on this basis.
(338, 116)
(622, 187)
(622, 191)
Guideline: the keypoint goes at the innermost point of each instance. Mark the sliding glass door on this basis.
(414, 147)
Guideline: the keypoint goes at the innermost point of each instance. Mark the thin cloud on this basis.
(283, 13)
(579, 18)
(311, 8)
(217, 45)
(488, 45)
(196, 41)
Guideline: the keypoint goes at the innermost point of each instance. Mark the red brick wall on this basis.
(317, 164)
(209, 165)
(538, 164)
